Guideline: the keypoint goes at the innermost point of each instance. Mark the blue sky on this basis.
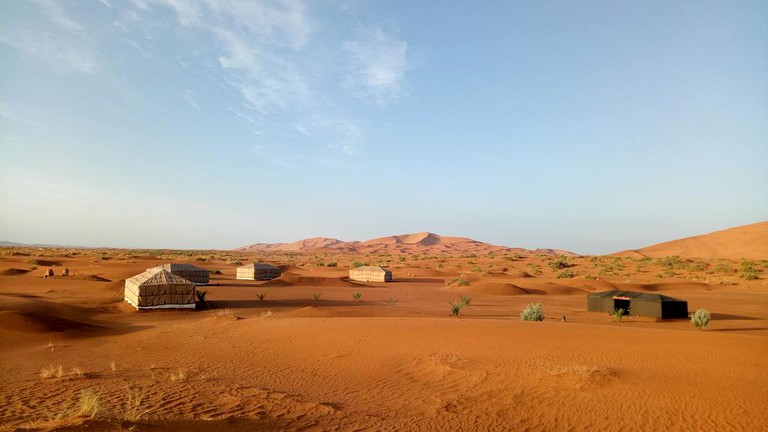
(591, 126)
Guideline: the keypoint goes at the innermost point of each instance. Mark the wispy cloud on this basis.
(62, 55)
(189, 97)
(377, 64)
(341, 134)
(10, 114)
(58, 16)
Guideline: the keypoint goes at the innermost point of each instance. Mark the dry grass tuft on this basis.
(77, 372)
(135, 408)
(178, 376)
(113, 366)
(90, 403)
(51, 371)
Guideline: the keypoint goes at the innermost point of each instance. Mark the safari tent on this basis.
(159, 289)
(258, 271)
(198, 275)
(638, 304)
(370, 274)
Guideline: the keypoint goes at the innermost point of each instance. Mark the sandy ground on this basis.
(395, 360)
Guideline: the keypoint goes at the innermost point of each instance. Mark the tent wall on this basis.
(258, 272)
(672, 309)
(375, 274)
(197, 275)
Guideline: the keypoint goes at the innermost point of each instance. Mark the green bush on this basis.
(565, 274)
(560, 263)
(618, 314)
(701, 318)
(357, 296)
(466, 300)
(532, 312)
(460, 282)
(456, 308)
(332, 264)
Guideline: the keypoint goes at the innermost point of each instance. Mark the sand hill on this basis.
(747, 241)
(424, 242)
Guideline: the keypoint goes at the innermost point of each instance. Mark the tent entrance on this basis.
(621, 303)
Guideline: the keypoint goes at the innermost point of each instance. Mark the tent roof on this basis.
(181, 267)
(634, 295)
(257, 265)
(370, 268)
(159, 277)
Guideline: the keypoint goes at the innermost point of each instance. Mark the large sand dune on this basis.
(309, 356)
(425, 242)
(747, 241)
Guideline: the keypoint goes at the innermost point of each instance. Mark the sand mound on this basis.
(45, 262)
(517, 273)
(296, 280)
(37, 323)
(93, 278)
(308, 312)
(494, 288)
(14, 272)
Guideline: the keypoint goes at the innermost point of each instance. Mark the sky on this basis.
(592, 126)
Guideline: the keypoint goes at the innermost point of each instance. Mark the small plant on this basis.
(216, 272)
(460, 282)
(357, 296)
(261, 296)
(565, 274)
(701, 318)
(77, 371)
(357, 264)
(201, 295)
(590, 277)
(456, 308)
(316, 295)
(178, 376)
(560, 263)
(134, 409)
(90, 403)
(391, 301)
(319, 264)
(331, 264)
(618, 314)
(466, 300)
(113, 366)
(532, 312)
(51, 371)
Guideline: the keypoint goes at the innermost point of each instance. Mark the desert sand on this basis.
(311, 357)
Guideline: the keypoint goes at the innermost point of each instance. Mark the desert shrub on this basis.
(316, 296)
(671, 262)
(357, 296)
(701, 318)
(134, 409)
(460, 282)
(319, 264)
(560, 263)
(698, 266)
(565, 274)
(532, 312)
(466, 300)
(590, 277)
(748, 270)
(357, 264)
(456, 308)
(724, 268)
(391, 301)
(52, 371)
(478, 269)
(331, 264)
(261, 296)
(216, 271)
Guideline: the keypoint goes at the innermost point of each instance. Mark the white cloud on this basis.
(338, 133)
(61, 53)
(58, 16)
(377, 65)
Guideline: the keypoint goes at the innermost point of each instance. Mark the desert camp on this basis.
(258, 271)
(370, 274)
(638, 304)
(159, 289)
(192, 273)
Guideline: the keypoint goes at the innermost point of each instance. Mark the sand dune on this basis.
(747, 241)
(423, 243)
